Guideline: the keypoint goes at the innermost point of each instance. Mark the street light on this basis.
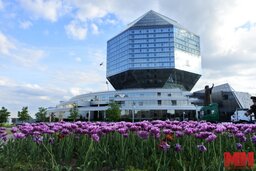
(107, 85)
(196, 113)
(133, 112)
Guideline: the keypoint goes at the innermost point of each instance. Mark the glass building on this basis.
(152, 64)
(154, 52)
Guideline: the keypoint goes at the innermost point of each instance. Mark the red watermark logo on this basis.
(239, 160)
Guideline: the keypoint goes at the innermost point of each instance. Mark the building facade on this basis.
(154, 52)
(142, 103)
(153, 64)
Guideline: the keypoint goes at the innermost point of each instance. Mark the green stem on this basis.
(88, 151)
(53, 160)
(159, 163)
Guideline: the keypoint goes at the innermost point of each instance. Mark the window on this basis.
(159, 102)
(174, 102)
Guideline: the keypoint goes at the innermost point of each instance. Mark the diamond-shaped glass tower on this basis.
(154, 52)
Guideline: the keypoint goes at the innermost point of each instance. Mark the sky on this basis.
(51, 50)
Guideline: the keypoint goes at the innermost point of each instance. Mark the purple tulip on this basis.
(4, 138)
(19, 135)
(38, 139)
(95, 137)
(143, 134)
(154, 130)
(177, 147)
(239, 135)
(134, 128)
(220, 129)
(36, 133)
(122, 130)
(125, 135)
(179, 134)
(3, 134)
(201, 148)
(242, 139)
(65, 131)
(211, 138)
(203, 135)
(254, 139)
(188, 131)
(248, 131)
(14, 129)
(239, 146)
(167, 131)
(164, 145)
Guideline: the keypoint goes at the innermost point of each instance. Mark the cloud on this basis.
(95, 29)
(19, 53)
(46, 9)
(5, 81)
(78, 59)
(89, 10)
(1, 5)
(25, 24)
(5, 45)
(76, 30)
(90, 77)
(92, 13)
(27, 57)
(16, 95)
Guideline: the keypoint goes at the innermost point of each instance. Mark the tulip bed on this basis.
(155, 145)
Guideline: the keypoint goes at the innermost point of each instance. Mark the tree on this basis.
(41, 114)
(113, 112)
(74, 112)
(23, 115)
(4, 114)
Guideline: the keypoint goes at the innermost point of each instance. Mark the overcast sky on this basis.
(50, 50)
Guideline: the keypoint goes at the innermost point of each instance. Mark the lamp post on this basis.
(196, 113)
(107, 85)
(133, 112)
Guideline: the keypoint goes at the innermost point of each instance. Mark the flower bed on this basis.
(156, 145)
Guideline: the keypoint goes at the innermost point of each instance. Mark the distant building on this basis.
(17, 121)
(227, 99)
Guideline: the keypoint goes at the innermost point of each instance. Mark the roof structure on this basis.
(243, 99)
(152, 18)
(223, 87)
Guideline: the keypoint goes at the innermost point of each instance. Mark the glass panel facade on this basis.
(187, 51)
(141, 48)
(153, 45)
(186, 41)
